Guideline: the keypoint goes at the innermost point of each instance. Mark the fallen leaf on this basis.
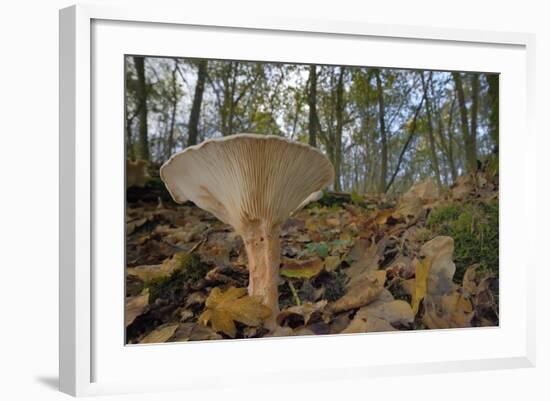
(331, 263)
(150, 272)
(425, 190)
(194, 299)
(411, 203)
(137, 173)
(135, 306)
(394, 312)
(439, 252)
(134, 224)
(365, 257)
(365, 289)
(224, 308)
(447, 311)
(340, 322)
(301, 315)
(367, 325)
(160, 334)
(420, 283)
(333, 222)
(462, 187)
(301, 268)
(383, 215)
(194, 332)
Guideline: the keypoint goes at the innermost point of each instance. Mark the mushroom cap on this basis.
(247, 178)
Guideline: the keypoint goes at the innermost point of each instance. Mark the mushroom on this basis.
(254, 183)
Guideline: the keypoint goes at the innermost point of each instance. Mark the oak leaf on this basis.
(364, 289)
(223, 309)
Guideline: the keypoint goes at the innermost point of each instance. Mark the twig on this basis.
(294, 294)
(197, 245)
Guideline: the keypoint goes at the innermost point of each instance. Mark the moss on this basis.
(191, 265)
(423, 235)
(474, 228)
(189, 268)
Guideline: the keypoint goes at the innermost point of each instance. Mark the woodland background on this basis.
(383, 129)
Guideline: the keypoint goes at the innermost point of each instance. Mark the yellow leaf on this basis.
(383, 216)
(332, 262)
(420, 283)
(223, 309)
(311, 225)
(160, 334)
(302, 268)
(345, 237)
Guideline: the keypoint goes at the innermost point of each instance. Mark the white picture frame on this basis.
(92, 38)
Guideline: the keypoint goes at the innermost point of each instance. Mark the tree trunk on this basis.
(338, 131)
(383, 139)
(312, 101)
(450, 142)
(493, 82)
(193, 126)
(431, 138)
(469, 150)
(472, 150)
(143, 140)
(412, 133)
(130, 154)
(170, 141)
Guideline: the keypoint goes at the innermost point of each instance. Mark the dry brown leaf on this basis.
(365, 289)
(135, 306)
(393, 312)
(150, 272)
(137, 173)
(411, 203)
(224, 308)
(365, 257)
(462, 187)
(439, 252)
(194, 332)
(161, 334)
(134, 224)
(367, 325)
(447, 311)
(301, 315)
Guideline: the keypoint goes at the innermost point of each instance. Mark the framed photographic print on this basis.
(242, 191)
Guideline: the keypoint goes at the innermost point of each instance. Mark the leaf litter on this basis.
(366, 263)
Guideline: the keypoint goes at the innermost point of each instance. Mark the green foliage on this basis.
(189, 269)
(474, 228)
(319, 248)
(356, 199)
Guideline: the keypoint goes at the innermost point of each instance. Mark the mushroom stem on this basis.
(262, 246)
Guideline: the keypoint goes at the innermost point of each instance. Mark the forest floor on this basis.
(350, 264)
